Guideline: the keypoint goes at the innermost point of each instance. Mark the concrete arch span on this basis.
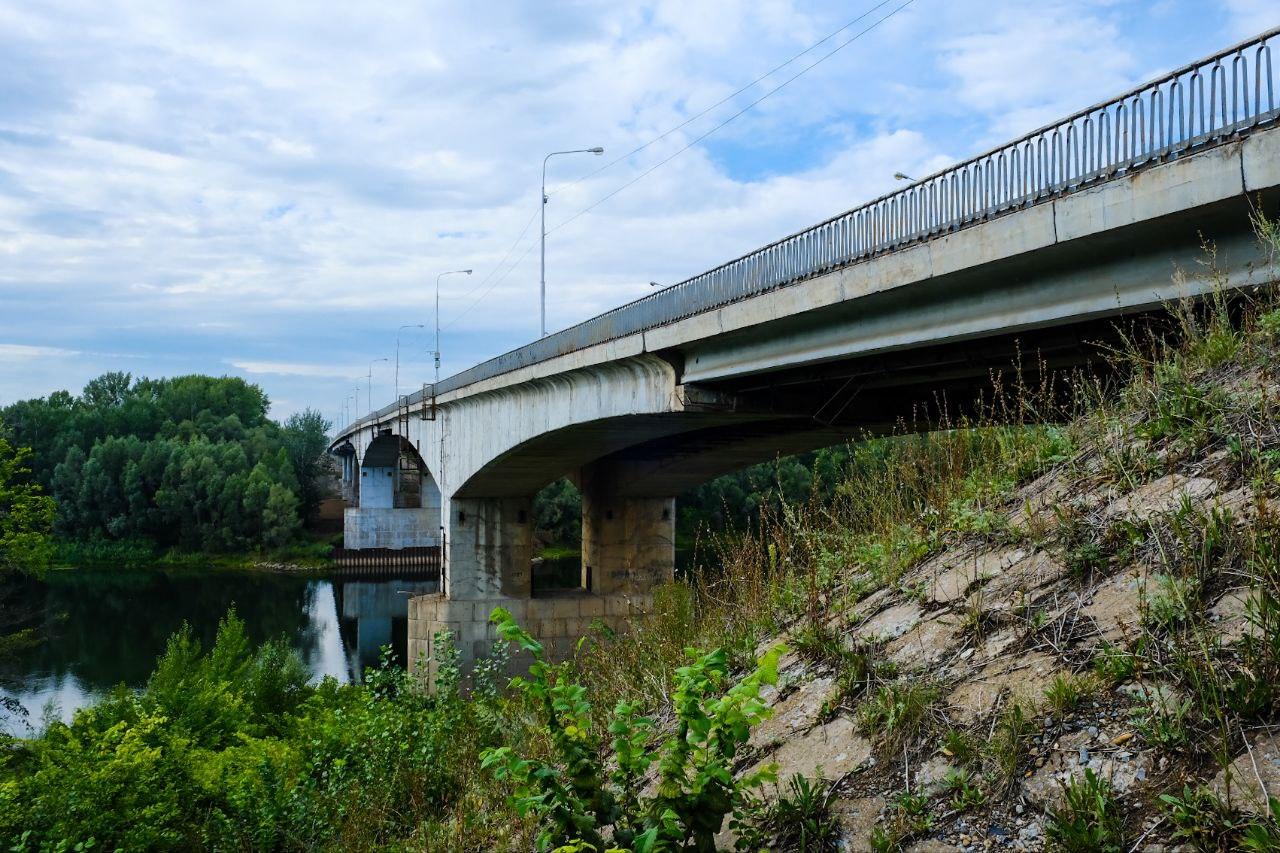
(397, 498)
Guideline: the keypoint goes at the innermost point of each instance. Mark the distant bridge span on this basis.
(842, 328)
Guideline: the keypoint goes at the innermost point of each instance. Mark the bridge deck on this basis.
(1217, 100)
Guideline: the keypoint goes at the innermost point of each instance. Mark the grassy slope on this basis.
(1049, 632)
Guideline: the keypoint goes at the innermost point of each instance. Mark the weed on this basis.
(961, 746)
(819, 642)
(897, 713)
(577, 800)
(1164, 724)
(959, 785)
(800, 819)
(1065, 692)
(1006, 748)
(1113, 664)
(1204, 820)
(908, 817)
(1169, 602)
(1089, 821)
(1085, 559)
(1181, 409)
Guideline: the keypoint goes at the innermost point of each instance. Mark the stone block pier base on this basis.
(557, 620)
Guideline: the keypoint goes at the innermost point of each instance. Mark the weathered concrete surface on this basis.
(557, 621)
(390, 528)
(628, 544)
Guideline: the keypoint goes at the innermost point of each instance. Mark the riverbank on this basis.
(311, 554)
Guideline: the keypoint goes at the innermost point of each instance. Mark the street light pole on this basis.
(543, 263)
(398, 331)
(436, 354)
(371, 364)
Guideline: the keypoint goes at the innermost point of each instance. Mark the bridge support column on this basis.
(488, 559)
(628, 544)
(628, 549)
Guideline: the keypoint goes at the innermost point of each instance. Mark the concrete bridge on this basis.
(852, 326)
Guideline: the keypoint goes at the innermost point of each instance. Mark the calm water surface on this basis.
(100, 628)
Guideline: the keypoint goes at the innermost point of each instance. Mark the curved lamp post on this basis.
(543, 274)
(436, 381)
(398, 331)
(371, 364)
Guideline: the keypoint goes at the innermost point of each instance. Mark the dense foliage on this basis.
(26, 515)
(231, 749)
(189, 461)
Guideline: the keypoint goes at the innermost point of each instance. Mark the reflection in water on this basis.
(98, 629)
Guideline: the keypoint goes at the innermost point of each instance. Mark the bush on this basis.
(578, 802)
(231, 749)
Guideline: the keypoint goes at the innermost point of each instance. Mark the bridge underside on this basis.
(967, 326)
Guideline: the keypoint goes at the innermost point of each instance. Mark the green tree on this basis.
(306, 438)
(557, 513)
(26, 515)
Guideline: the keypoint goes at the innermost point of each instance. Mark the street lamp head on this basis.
(654, 284)
(468, 272)
(901, 177)
(596, 150)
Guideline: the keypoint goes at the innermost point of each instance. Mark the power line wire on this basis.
(739, 113)
(498, 265)
(495, 283)
(687, 146)
(726, 99)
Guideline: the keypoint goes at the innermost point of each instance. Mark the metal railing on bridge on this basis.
(1208, 102)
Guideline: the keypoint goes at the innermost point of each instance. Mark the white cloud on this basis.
(1250, 17)
(26, 352)
(284, 368)
(280, 183)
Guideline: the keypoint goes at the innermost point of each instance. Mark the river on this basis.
(99, 628)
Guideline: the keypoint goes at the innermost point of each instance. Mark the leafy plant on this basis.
(1113, 664)
(965, 795)
(960, 745)
(577, 801)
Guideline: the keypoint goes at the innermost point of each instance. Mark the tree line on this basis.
(188, 462)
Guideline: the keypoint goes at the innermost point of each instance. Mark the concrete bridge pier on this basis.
(628, 543)
(628, 548)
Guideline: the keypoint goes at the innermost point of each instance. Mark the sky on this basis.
(269, 190)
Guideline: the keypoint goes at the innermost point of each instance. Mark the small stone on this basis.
(1093, 730)
(1017, 809)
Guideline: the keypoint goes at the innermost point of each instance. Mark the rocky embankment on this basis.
(1103, 648)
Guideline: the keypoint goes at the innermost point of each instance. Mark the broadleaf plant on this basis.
(582, 806)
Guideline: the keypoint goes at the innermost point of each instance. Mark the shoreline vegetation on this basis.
(1105, 551)
(308, 553)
